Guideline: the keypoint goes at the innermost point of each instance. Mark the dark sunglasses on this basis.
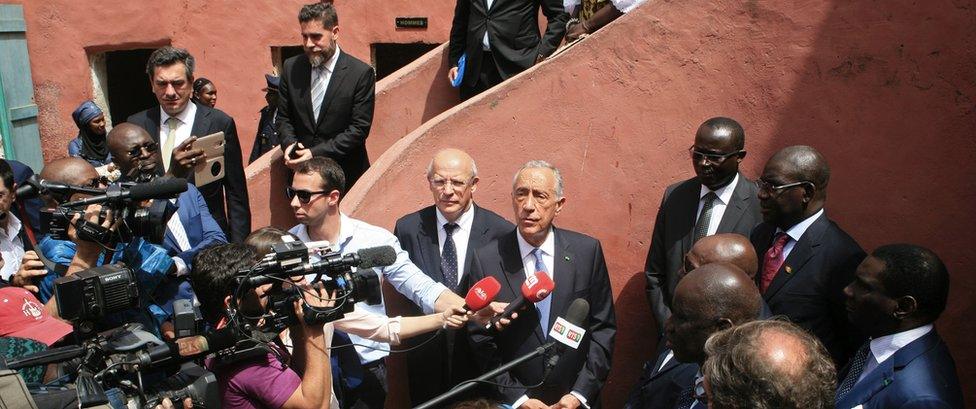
(150, 147)
(304, 196)
(711, 157)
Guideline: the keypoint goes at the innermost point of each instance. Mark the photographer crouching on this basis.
(269, 378)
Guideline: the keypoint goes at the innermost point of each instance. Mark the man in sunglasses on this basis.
(718, 199)
(805, 259)
(315, 192)
(191, 229)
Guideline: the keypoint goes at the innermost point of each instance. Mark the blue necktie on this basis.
(857, 366)
(449, 262)
(542, 306)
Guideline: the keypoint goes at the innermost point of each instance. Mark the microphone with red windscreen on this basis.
(537, 286)
(481, 294)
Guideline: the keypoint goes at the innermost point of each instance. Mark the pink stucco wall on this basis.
(886, 93)
(231, 41)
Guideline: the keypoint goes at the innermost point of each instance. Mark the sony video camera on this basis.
(84, 298)
(128, 202)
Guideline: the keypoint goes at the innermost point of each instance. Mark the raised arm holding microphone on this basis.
(575, 264)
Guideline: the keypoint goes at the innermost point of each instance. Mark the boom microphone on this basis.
(537, 287)
(184, 349)
(35, 185)
(376, 257)
(481, 294)
(162, 188)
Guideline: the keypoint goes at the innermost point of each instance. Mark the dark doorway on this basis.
(389, 57)
(280, 54)
(128, 85)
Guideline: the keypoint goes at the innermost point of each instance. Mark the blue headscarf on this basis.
(93, 146)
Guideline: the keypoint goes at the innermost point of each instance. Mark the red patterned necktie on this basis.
(773, 260)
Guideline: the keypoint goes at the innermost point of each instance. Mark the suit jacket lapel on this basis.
(689, 212)
(342, 63)
(511, 260)
(884, 374)
(201, 122)
(429, 245)
(303, 83)
(564, 274)
(736, 207)
(153, 125)
(802, 252)
(478, 237)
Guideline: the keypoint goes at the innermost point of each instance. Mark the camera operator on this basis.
(151, 262)
(361, 323)
(264, 381)
(191, 228)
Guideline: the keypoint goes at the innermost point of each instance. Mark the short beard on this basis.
(318, 59)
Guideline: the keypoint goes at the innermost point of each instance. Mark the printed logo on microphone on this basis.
(531, 280)
(480, 292)
(567, 333)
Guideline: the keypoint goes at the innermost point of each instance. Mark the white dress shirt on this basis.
(11, 247)
(325, 74)
(182, 130)
(797, 231)
(885, 347)
(405, 277)
(484, 41)
(548, 249)
(461, 236)
(724, 194)
(175, 227)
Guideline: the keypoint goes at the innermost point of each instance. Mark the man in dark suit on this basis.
(575, 263)
(662, 381)
(500, 38)
(711, 298)
(898, 293)
(178, 122)
(718, 199)
(325, 102)
(805, 258)
(446, 257)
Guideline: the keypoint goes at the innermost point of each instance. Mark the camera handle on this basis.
(90, 392)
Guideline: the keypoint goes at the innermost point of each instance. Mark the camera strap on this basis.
(50, 265)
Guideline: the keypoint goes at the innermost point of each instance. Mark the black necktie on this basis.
(705, 217)
(857, 365)
(449, 263)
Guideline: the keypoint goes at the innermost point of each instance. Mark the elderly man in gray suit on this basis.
(718, 199)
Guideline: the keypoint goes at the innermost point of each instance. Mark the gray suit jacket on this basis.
(674, 231)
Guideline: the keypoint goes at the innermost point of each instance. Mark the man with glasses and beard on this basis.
(718, 199)
(316, 189)
(805, 259)
(325, 100)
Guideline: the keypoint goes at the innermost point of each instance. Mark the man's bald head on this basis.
(709, 299)
(805, 163)
(453, 178)
(729, 248)
(69, 171)
(120, 133)
(768, 364)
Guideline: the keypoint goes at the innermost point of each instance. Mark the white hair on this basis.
(541, 164)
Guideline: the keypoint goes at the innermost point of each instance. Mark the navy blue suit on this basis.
(202, 231)
(661, 388)
(920, 375)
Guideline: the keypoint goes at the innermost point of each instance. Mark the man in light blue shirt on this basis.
(315, 193)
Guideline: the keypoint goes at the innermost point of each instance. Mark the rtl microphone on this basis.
(482, 294)
(537, 287)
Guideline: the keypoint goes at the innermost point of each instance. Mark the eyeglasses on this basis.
(150, 147)
(442, 183)
(765, 186)
(715, 158)
(304, 196)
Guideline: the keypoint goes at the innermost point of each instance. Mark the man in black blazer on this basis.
(575, 263)
(500, 38)
(806, 260)
(452, 177)
(176, 124)
(325, 101)
(718, 190)
(899, 293)
(662, 381)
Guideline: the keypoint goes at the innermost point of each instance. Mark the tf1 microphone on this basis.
(537, 286)
(575, 317)
(482, 294)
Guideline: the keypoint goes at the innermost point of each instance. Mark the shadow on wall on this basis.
(890, 102)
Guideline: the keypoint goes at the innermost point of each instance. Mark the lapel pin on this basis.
(566, 258)
(789, 270)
